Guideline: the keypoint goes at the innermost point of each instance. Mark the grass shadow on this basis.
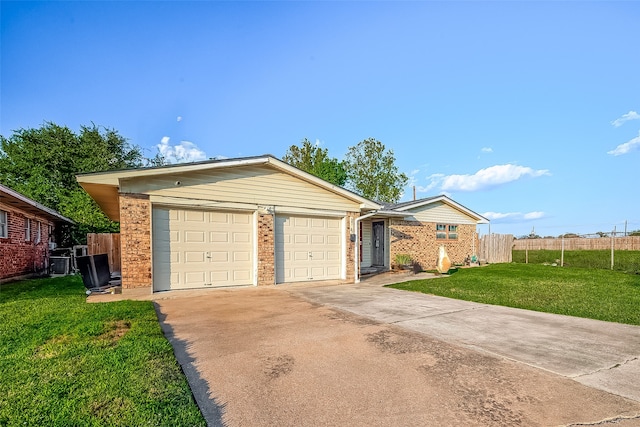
(211, 409)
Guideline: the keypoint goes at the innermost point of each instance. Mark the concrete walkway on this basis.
(602, 355)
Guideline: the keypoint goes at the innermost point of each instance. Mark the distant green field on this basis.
(627, 261)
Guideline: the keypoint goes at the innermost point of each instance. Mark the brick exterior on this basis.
(418, 239)
(351, 247)
(135, 240)
(266, 250)
(19, 257)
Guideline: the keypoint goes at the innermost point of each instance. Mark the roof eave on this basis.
(32, 203)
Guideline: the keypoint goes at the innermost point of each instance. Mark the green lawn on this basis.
(597, 294)
(625, 261)
(64, 362)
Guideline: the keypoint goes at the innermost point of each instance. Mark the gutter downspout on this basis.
(357, 243)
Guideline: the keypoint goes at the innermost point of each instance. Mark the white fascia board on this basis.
(479, 218)
(113, 177)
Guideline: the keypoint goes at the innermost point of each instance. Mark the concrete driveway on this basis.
(363, 355)
(599, 354)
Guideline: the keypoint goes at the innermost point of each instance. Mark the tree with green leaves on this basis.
(372, 172)
(315, 160)
(42, 164)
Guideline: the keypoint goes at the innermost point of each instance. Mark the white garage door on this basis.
(195, 248)
(307, 248)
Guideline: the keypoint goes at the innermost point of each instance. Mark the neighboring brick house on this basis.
(26, 229)
(260, 221)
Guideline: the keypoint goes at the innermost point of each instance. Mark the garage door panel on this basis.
(241, 256)
(300, 274)
(194, 257)
(194, 237)
(300, 222)
(333, 240)
(219, 217)
(194, 216)
(207, 248)
(301, 239)
(241, 275)
(219, 237)
(308, 248)
(241, 219)
(195, 278)
(219, 276)
(241, 237)
(219, 256)
(333, 271)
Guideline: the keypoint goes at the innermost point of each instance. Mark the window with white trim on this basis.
(446, 232)
(27, 230)
(39, 232)
(4, 224)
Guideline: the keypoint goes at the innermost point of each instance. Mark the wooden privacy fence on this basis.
(105, 243)
(496, 248)
(629, 243)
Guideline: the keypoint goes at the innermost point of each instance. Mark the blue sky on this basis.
(525, 112)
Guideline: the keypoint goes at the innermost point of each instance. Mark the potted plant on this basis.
(404, 261)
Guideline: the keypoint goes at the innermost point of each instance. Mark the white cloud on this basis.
(486, 150)
(533, 215)
(179, 119)
(626, 147)
(484, 178)
(184, 152)
(631, 115)
(512, 217)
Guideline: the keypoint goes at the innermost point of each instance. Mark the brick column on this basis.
(135, 240)
(266, 250)
(351, 246)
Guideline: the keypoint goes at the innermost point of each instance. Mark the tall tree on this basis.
(42, 163)
(315, 160)
(372, 171)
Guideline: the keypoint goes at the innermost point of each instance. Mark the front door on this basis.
(377, 237)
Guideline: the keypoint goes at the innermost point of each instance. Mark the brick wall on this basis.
(266, 250)
(351, 247)
(21, 257)
(135, 240)
(418, 239)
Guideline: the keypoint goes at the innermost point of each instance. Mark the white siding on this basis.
(257, 185)
(439, 212)
(366, 244)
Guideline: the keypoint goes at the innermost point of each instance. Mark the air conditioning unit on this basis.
(80, 250)
(59, 265)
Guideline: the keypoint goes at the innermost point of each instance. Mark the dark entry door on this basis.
(377, 256)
